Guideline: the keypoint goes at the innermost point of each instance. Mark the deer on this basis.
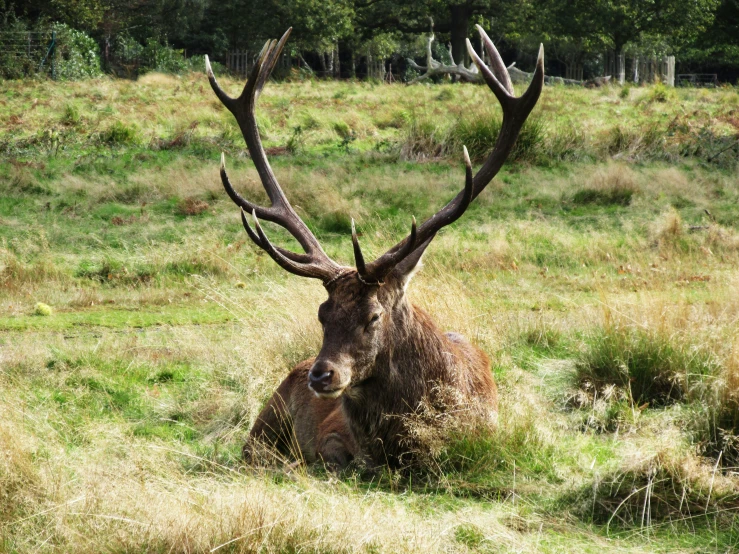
(381, 356)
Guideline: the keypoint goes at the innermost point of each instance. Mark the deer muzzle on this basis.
(325, 379)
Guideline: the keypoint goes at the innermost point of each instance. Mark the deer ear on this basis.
(408, 266)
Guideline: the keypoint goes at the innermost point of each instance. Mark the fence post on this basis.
(636, 70)
(53, 55)
(670, 73)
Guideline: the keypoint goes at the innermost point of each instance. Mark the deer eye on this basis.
(373, 320)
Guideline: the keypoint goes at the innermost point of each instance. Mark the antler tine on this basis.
(315, 262)
(503, 96)
(496, 62)
(267, 215)
(369, 274)
(260, 238)
(378, 269)
(358, 257)
(273, 54)
(515, 112)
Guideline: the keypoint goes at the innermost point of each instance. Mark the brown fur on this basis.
(383, 370)
(299, 424)
(382, 357)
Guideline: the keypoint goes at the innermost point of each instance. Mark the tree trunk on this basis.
(460, 23)
(322, 59)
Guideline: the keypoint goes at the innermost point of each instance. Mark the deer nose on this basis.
(320, 374)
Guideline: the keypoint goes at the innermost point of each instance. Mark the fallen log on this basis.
(435, 68)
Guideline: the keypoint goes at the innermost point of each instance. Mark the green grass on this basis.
(649, 367)
(598, 272)
(111, 317)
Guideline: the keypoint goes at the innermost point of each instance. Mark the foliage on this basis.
(13, 66)
(576, 33)
(77, 54)
(162, 58)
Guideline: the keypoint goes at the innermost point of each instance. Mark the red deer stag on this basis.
(381, 356)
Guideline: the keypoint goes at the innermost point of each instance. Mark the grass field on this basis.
(141, 332)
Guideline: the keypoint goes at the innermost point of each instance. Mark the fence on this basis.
(239, 62)
(24, 53)
(641, 69)
(697, 80)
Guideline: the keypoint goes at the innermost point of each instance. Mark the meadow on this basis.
(141, 332)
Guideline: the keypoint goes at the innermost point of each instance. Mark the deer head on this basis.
(366, 310)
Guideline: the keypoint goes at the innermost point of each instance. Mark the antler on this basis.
(314, 263)
(515, 112)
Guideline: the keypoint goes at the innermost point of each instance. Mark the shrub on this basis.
(162, 58)
(126, 48)
(77, 54)
(13, 66)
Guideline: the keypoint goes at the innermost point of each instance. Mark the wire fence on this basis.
(26, 53)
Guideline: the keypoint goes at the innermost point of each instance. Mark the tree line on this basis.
(344, 37)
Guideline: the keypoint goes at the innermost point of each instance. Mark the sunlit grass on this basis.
(598, 272)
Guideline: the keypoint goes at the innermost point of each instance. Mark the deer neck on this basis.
(416, 358)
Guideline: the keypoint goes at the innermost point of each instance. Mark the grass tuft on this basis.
(120, 134)
(469, 453)
(191, 206)
(42, 309)
(615, 186)
(663, 488)
(715, 423)
(649, 366)
(14, 274)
